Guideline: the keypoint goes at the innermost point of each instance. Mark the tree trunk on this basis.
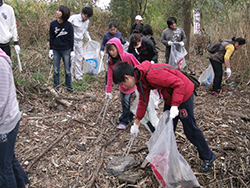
(186, 13)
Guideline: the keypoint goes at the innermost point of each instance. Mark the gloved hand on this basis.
(229, 72)
(182, 43)
(173, 112)
(102, 54)
(152, 62)
(108, 96)
(17, 49)
(89, 39)
(72, 54)
(134, 130)
(170, 43)
(51, 55)
(127, 43)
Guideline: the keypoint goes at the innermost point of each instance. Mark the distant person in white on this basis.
(80, 24)
(8, 29)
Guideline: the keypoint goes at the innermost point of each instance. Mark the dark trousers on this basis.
(218, 73)
(192, 132)
(127, 115)
(6, 48)
(12, 174)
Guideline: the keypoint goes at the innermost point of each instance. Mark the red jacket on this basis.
(175, 87)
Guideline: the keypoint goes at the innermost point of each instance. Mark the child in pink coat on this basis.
(117, 55)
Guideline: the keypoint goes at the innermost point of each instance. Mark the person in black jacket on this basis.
(138, 20)
(143, 48)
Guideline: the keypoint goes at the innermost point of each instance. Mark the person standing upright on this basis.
(138, 21)
(8, 29)
(172, 34)
(80, 24)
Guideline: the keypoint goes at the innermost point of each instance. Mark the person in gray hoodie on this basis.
(12, 174)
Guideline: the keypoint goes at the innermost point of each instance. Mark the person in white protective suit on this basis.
(80, 24)
(8, 29)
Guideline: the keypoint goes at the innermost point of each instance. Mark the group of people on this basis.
(136, 68)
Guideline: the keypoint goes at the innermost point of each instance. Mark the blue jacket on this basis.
(107, 36)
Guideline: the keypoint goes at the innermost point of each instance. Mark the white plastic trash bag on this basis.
(207, 76)
(168, 165)
(151, 113)
(91, 53)
(177, 56)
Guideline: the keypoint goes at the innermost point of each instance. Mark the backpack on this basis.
(214, 47)
(190, 76)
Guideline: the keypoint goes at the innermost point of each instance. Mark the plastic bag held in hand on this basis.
(182, 43)
(229, 72)
(72, 54)
(108, 96)
(170, 43)
(134, 130)
(173, 112)
(17, 49)
(51, 55)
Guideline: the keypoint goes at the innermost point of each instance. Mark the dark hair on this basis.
(134, 38)
(88, 11)
(121, 70)
(138, 28)
(171, 20)
(112, 24)
(65, 12)
(241, 41)
(113, 60)
(147, 30)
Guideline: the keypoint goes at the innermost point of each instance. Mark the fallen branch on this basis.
(46, 150)
(92, 180)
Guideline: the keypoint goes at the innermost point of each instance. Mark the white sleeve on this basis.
(13, 26)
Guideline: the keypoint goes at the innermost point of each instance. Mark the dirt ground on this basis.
(61, 145)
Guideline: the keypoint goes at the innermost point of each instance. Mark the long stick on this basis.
(47, 149)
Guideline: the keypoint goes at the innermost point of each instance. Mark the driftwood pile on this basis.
(60, 144)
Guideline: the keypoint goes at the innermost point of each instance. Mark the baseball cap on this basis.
(138, 17)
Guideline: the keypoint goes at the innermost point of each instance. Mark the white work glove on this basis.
(102, 54)
(170, 43)
(51, 55)
(72, 54)
(108, 96)
(173, 112)
(229, 72)
(134, 130)
(182, 43)
(152, 62)
(17, 49)
(127, 43)
(89, 39)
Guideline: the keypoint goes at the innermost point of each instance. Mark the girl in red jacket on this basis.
(118, 56)
(177, 91)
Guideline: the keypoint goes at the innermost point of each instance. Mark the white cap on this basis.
(138, 17)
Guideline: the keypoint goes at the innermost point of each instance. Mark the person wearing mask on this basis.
(226, 50)
(138, 21)
(172, 34)
(12, 174)
(8, 29)
(80, 24)
(143, 48)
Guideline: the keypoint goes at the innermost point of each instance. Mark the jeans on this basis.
(12, 174)
(65, 55)
(218, 73)
(192, 132)
(127, 115)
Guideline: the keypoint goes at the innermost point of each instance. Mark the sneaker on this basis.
(224, 90)
(121, 127)
(215, 94)
(207, 164)
(70, 90)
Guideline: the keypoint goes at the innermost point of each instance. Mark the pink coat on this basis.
(125, 57)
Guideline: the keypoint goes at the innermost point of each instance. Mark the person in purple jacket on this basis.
(112, 32)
